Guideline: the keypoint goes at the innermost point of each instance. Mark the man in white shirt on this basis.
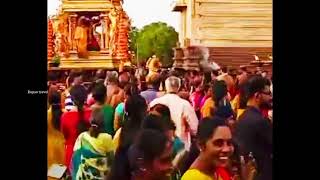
(182, 113)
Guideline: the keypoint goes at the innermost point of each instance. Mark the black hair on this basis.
(243, 68)
(97, 123)
(131, 71)
(219, 90)
(135, 111)
(216, 73)
(131, 89)
(79, 96)
(123, 84)
(163, 76)
(55, 102)
(196, 82)
(123, 81)
(133, 80)
(99, 93)
(232, 71)
(100, 74)
(91, 86)
(74, 74)
(224, 111)
(135, 108)
(144, 87)
(207, 77)
(233, 74)
(155, 82)
(224, 69)
(148, 145)
(174, 72)
(255, 84)
(243, 96)
(206, 87)
(207, 128)
(52, 76)
(151, 144)
(223, 107)
(161, 109)
(159, 123)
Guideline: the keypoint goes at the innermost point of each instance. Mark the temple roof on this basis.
(85, 5)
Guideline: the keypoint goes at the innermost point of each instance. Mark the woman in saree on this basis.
(93, 151)
(239, 102)
(76, 121)
(149, 157)
(216, 148)
(165, 124)
(197, 95)
(219, 102)
(207, 94)
(55, 137)
(135, 111)
(119, 114)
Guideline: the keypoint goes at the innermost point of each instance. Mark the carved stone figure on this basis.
(113, 16)
(61, 38)
(105, 23)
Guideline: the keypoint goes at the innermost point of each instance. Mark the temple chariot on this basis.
(89, 35)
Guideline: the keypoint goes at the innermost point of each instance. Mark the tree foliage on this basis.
(154, 39)
(133, 35)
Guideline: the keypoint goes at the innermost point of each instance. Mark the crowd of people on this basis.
(167, 125)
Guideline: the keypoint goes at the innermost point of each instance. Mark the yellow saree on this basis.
(55, 143)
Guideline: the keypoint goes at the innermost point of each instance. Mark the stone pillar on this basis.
(105, 33)
(72, 28)
(102, 32)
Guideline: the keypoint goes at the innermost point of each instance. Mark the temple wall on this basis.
(229, 23)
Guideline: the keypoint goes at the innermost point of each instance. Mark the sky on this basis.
(142, 12)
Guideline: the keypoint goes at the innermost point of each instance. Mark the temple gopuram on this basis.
(88, 34)
(235, 32)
